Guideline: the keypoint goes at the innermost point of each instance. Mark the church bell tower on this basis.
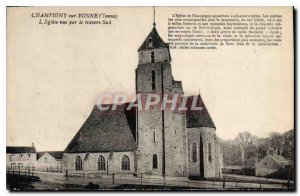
(159, 132)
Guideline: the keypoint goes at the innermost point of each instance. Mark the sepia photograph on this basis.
(150, 98)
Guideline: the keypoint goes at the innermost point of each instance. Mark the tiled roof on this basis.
(105, 131)
(281, 159)
(55, 154)
(20, 149)
(198, 118)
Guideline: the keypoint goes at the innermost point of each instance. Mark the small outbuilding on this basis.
(271, 163)
(49, 161)
(20, 157)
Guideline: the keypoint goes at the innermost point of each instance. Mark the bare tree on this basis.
(288, 146)
(244, 139)
(276, 142)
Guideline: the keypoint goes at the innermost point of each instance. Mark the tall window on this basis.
(125, 163)
(209, 151)
(78, 163)
(101, 163)
(154, 162)
(152, 57)
(194, 152)
(153, 79)
(154, 136)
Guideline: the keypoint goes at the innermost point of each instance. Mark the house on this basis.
(20, 156)
(49, 161)
(271, 163)
(153, 141)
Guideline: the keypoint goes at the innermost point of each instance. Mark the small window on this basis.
(152, 57)
(150, 43)
(125, 163)
(209, 152)
(153, 79)
(46, 160)
(13, 166)
(154, 162)
(20, 165)
(154, 136)
(194, 152)
(78, 163)
(101, 163)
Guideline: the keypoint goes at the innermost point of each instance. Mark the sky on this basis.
(56, 72)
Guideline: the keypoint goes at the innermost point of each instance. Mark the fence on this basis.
(144, 179)
(24, 171)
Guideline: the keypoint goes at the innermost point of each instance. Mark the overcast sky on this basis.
(56, 72)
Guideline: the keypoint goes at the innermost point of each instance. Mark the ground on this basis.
(57, 181)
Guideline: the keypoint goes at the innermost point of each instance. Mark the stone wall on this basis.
(90, 165)
(150, 122)
(219, 158)
(211, 167)
(160, 55)
(48, 163)
(266, 166)
(24, 159)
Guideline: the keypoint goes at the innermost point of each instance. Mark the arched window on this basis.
(154, 162)
(78, 163)
(152, 57)
(194, 152)
(101, 163)
(125, 163)
(150, 43)
(209, 151)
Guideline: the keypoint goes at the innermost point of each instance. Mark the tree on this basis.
(288, 146)
(244, 139)
(250, 156)
(276, 142)
(262, 146)
(231, 153)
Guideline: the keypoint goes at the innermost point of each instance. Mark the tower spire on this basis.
(154, 17)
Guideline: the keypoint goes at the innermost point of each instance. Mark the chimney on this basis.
(271, 151)
(32, 145)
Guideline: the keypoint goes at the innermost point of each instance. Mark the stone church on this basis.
(155, 142)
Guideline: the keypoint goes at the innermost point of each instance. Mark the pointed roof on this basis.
(105, 131)
(198, 118)
(55, 154)
(155, 39)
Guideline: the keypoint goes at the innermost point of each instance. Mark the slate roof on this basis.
(156, 40)
(55, 154)
(20, 149)
(198, 118)
(105, 131)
